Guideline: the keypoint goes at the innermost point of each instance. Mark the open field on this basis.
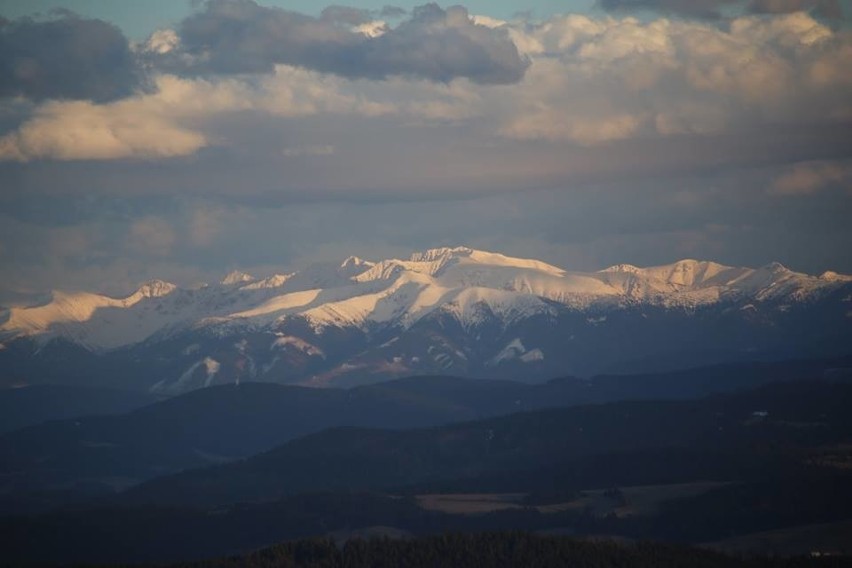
(828, 538)
(471, 503)
(621, 501)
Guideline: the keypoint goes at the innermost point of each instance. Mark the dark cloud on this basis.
(830, 9)
(66, 57)
(713, 9)
(392, 12)
(706, 9)
(239, 36)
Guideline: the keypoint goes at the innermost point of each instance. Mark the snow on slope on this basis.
(66, 311)
(210, 369)
(516, 350)
(461, 282)
(236, 277)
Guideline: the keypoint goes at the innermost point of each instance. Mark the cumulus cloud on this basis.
(166, 122)
(66, 57)
(160, 124)
(82, 130)
(612, 79)
(240, 36)
(161, 42)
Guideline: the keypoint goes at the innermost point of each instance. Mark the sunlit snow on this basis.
(461, 282)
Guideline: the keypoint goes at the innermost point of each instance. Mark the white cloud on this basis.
(597, 80)
(143, 126)
(162, 42)
(487, 21)
(83, 131)
(374, 28)
(166, 123)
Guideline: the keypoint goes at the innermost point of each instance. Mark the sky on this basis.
(179, 141)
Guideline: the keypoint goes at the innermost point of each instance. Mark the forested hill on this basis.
(798, 415)
(497, 549)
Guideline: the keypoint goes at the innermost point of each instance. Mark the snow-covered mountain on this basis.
(448, 310)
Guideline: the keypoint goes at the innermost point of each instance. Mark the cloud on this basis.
(721, 215)
(161, 42)
(240, 36)
(293, 151)
(392, 12)
(639, 140)
(808, 178)
(205, 225)
(165, 123)
(590, 82)
(830, 9)
(148, 125)
(716, 9)
(708, 9)
(598, 80)
(82, 130)
(151, 236)
(67, 57)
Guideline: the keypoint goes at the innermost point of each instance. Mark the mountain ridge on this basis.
(446, 310)
(686, 275)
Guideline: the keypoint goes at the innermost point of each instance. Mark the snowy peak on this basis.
(467, 284)
(694, 282)
(274, 281)
(453, 310)
(353, 266)
(64, 307)
(384, 270)
(831, 276)
(354, 262)
(466, 255)
(154, 289)
(440, 254)
(236, 277)
(622, 268)
(497, 259)
(464, 267)
(776, 268)
(688, 273)
(681, 276)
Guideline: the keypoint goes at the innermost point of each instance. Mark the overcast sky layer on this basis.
(182, 140)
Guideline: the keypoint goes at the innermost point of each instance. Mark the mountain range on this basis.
(455, 311)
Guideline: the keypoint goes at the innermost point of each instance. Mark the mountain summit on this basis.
(449, 310)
